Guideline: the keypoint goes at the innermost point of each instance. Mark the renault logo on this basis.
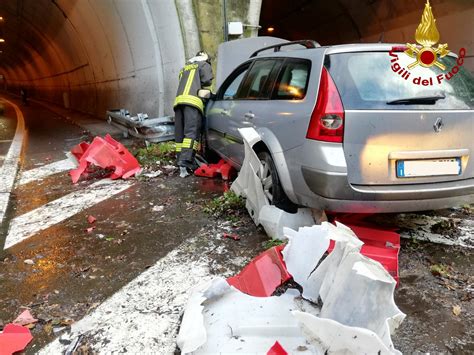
(438, 125)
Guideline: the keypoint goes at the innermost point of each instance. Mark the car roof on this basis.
(339, 48)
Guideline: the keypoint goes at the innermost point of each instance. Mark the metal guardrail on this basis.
(152, 130)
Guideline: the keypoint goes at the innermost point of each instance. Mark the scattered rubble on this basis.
(358, 313)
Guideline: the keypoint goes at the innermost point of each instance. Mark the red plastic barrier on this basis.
(263, 274)
(14, 338)
(105, 153)
(380, 245)
(212, 170)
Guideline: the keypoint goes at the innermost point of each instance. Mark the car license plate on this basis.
(428, 167)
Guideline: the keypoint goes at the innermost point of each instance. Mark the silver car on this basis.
(343, 131)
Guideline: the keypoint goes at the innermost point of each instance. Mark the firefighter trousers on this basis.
(187, 131)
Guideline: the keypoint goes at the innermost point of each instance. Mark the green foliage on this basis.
(440, 270)
(228, 204)
(156, 152)
(272, 243)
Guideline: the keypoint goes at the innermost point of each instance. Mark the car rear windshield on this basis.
(366, 80)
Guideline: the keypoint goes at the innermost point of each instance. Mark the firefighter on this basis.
(189, 109)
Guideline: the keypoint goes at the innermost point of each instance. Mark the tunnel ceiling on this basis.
(345, 21)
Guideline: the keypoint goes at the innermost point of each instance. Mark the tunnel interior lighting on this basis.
(1, 18)
(270, 29)
(2, 40)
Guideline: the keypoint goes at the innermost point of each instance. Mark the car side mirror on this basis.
(205, 94)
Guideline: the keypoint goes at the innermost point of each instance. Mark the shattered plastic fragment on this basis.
(231, 236)
(277, 349)
(249, 185)
(262, 275)
(14, 338)
(25, 318)
(301, 264)
(91, 219)
(105, 153)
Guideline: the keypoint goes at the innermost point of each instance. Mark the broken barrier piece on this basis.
(105, 153)
(263, 274)
(358, 313)
(380, 245)
(14, 338)
(277, 349)
(212, 170)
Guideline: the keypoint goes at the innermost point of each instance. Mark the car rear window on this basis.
(366, 80)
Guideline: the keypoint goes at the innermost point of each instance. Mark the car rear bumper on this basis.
(333, 191)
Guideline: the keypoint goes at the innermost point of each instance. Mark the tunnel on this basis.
(91, 56)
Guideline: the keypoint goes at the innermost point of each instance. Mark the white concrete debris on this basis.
(358, 314)
(248, 185)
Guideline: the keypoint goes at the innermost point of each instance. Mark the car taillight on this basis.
(327, 119)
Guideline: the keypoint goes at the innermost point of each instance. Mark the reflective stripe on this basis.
(178, 147)
(196, 145)
(189, 82)
(189, 100)
(187, 143)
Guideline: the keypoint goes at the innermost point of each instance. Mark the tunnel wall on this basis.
(93, 55)
(96, 55)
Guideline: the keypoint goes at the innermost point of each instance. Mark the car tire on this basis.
(271, 184)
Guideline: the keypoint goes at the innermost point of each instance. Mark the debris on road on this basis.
(158, 208)
(29, 262)
(248, 185)
(262, 275)
(14, 338)
(90, 229)
(141, 126)
(213, 170)
(357, 315)
(105, 153)
(231, 236)
(91, 219)
(456, 310)
(25, 318)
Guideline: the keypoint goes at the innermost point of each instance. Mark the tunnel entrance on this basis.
(354, 21)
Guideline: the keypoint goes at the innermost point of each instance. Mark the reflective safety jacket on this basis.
(192, 78)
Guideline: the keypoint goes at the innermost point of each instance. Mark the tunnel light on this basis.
(1, 18)
(2, 40)
(270, 29)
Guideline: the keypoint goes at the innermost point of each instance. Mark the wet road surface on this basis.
(7, 128)
(157, 227)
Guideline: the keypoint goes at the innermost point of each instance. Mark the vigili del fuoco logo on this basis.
(425, 54)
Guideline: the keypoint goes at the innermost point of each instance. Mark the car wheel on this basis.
(271, 184)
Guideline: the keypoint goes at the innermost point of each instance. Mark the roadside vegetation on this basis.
(229, 205)
(156, 154)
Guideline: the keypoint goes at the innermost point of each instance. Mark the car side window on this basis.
(229, 90)
(292, 82)
(256, 84)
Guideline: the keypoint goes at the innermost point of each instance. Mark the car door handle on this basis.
(249, 115)
(225, 113)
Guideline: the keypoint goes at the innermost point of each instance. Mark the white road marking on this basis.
(10, 164)
(143, 316)
(28, 224)
(46, 170)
